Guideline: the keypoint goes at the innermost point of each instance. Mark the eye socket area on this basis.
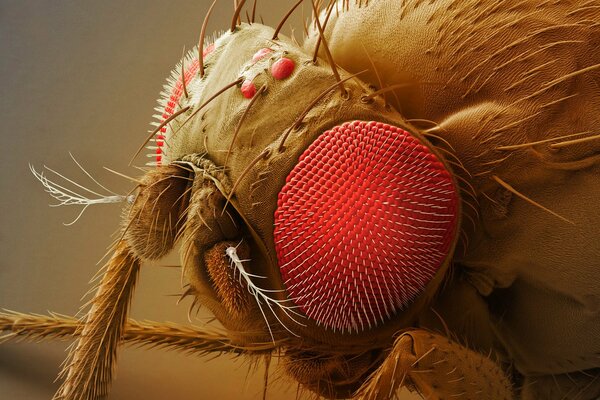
(365, 221)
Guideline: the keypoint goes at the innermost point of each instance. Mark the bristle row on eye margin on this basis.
(363, 223)
(170, 105)
(170, 101)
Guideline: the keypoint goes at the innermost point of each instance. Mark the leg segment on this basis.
(437, 368)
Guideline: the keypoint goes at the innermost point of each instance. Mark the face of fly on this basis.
(314, 212)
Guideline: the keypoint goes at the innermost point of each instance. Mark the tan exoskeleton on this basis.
(478, 281)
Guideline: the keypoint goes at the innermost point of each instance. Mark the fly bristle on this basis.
(232, 294)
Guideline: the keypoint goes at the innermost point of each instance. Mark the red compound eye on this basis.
(365, 220)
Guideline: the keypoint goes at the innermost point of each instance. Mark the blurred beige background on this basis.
(83, 77)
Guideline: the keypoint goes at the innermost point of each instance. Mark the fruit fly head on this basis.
(344, 214)
(309, 212)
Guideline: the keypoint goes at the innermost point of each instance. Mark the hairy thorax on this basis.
(509, 87)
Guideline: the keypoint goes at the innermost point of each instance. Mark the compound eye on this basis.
(363, 223)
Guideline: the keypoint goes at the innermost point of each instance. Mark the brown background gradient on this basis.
(83, 77)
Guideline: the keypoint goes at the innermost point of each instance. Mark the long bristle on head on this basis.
(201, 50)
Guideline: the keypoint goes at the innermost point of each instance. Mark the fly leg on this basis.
(437, 368)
